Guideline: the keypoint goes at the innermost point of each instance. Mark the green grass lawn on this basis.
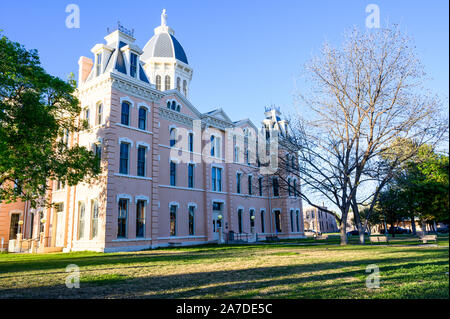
(234, 271)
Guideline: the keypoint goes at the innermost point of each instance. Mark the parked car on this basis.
(356, 233)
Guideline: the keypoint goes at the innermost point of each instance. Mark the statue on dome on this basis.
(164, 18)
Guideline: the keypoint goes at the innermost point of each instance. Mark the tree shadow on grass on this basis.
(219, 283)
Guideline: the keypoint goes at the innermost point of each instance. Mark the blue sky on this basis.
(245, 54)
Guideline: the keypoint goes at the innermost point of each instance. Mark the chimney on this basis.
(84, 68)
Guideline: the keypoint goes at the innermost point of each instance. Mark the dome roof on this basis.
(164, 45)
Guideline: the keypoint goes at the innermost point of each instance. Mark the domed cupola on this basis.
(166, 61)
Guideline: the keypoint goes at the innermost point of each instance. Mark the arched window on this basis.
(174, 105)
(178, 108)
(213, 146)
(168, 105)
(167, 83)
(240, 220)
(287, 162)
(179, 84)
(276, 192)
(172, 137)
(158, 82)
(236, 154)
(293, 162)
(185, 87)
(289, 186)
(142, 118)
(125, 114)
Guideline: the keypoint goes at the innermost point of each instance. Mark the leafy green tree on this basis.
(38, 115)
(426, 185)
(390, 206)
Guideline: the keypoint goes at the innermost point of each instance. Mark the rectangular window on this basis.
(125, 114)
(94, 218)
(99, 114)
(86, 117)
(191, 142)
(81, 219)
(133, 65)
(140, 218)
(297, 220)
(99, 64)
(250, 185)
(98, 153)
(217, 179)
(141, 161)
(122, 218)
(173, 173)
(191, 175)
(142, 123)
(124, 155)
(191, 220)
(173, 220)
(238, 183)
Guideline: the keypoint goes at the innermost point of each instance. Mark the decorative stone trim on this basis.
(142, 144)
(126, 99)
(124, 196)
(142, 104)
(141, 197)
(125, 140)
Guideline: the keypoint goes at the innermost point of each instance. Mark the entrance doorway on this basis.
(216, 220)
(14, 226)
(59, 225)
(277, 214)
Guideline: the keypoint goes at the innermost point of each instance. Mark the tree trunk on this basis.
(343, 228)
(393, 230)
(358, 224)
(413, 225)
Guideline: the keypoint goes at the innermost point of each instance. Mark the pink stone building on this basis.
(171, 175)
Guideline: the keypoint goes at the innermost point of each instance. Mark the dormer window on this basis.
(98, 65)
(184, 87)
(167, 83)
(158, 82)
(133, 65)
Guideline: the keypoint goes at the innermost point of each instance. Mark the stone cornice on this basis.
(174, 116)
(127, 85)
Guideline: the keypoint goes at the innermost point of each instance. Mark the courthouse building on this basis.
(171, 175)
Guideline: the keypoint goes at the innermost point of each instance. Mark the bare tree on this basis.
(364, 101)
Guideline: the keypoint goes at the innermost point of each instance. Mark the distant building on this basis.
(319, 220)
